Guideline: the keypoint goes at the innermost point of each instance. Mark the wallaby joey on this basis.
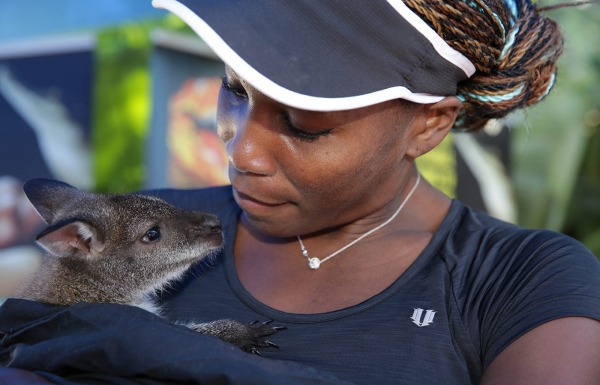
(122, 249)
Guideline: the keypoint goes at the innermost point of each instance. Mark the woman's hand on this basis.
(563, 351)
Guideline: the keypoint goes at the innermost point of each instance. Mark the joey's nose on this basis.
(215, 229)
(213, 223)
(208, 226)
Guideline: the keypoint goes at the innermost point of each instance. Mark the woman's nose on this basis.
(250, 148)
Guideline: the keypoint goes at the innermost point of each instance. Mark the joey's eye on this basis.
(152, 235)
(237, 91)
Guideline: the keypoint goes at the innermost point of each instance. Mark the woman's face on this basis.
(298, 172)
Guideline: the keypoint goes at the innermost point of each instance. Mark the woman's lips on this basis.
(250, 203)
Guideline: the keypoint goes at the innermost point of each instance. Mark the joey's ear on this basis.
(48, 196)
(73, 237)
(437, 121)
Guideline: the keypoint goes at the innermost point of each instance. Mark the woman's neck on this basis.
(276, 273)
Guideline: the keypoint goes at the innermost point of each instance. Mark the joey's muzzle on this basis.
(207, 227)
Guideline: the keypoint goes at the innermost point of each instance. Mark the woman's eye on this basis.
(237, 91)
(301, 134)
(152, 235)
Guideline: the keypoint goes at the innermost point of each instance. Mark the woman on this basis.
(331, 231)
(324, 108)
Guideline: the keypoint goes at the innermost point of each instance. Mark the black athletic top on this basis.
(479, 285)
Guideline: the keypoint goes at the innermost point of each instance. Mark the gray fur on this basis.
(98, 251)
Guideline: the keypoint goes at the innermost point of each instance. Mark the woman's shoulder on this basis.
(484, 253)
(506, 279)
(470, 232)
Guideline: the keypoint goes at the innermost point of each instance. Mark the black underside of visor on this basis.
(326, 48)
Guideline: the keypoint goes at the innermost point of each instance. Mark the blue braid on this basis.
(512, 6)
(550, 85)
(495, 98)
(511, 41)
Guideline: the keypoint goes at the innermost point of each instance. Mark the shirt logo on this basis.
(427, 319)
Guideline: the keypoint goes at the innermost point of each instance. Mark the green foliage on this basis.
(556, 147)
(121, 107)
(122, 103)
(583, 219)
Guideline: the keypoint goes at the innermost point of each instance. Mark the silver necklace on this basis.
(314, 263)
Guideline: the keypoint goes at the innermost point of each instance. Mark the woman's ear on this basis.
(436, 122)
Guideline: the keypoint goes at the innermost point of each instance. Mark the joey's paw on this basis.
(257, 332)
(248, 337)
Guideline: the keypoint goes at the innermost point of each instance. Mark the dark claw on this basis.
(257, 332)
(255, 351)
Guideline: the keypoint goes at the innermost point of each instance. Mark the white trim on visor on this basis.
(440, 45)
(283, 95)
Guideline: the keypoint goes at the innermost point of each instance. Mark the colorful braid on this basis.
(513, 47)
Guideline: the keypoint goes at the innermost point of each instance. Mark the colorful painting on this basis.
(197, 156)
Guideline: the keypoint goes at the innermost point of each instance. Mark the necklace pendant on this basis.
(314, 263)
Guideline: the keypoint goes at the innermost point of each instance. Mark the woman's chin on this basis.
(271, 226)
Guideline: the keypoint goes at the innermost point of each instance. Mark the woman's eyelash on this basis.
(295, 131)
(304, 135)
(239, 92)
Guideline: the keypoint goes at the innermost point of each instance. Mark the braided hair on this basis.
(513, 47)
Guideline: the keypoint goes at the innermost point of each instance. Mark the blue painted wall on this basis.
(21, 19)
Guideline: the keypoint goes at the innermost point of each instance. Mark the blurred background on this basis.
(114, 96)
